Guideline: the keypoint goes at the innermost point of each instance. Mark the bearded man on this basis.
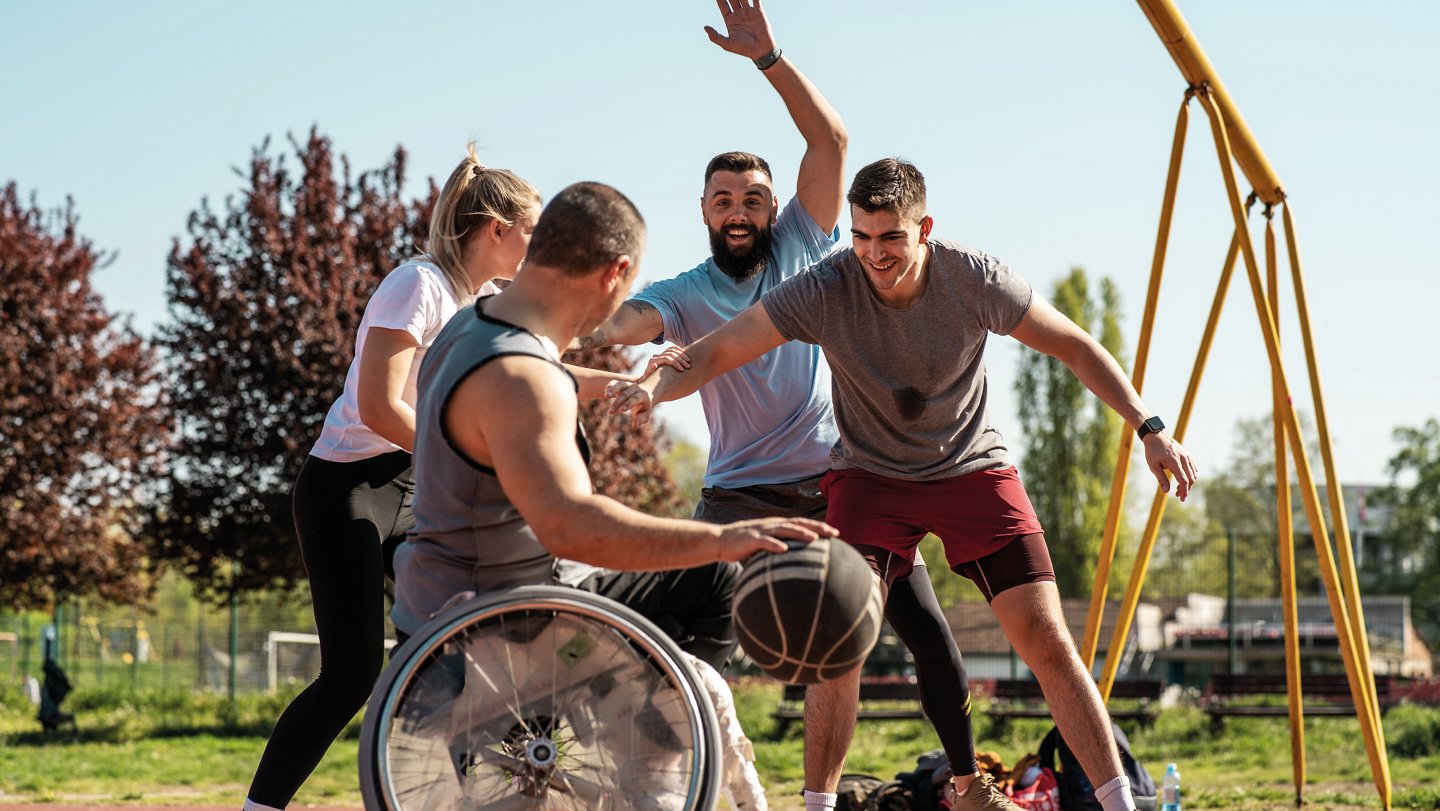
(772, 425)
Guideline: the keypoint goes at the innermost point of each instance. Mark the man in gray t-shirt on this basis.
(903, 320)
(771, 422)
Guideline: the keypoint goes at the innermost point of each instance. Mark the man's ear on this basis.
(926, 224)
(616, 273)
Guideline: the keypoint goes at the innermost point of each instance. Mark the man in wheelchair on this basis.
(503, 497)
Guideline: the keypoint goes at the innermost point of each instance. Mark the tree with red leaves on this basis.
(266, 298)
(82, 419)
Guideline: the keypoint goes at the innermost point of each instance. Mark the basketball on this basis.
(810, 614)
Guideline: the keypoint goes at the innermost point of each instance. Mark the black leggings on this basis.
(914, 613)
(349, 517)
(692, 606)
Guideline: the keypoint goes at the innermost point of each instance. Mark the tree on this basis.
(1415, 522)
(266, 298)
(1071, 438)
(81, 419)
(628, 463)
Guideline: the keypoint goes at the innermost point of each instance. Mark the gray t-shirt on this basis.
(909, 385)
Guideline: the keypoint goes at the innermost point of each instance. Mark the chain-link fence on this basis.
(1195, 593)
(178, 641)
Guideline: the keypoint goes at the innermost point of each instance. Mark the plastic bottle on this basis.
(1170, 789)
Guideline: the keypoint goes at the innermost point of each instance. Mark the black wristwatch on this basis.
(1154, 425)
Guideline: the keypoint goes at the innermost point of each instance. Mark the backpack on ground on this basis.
(1076, 792)
(862, 792)
(932, 771)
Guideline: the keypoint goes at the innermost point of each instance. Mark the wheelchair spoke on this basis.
(558, 704)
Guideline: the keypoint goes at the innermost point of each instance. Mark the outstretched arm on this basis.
(1048, 330)
(538, 464)
(741, 340)
(593, 383)
(821, 182)
(635, 322)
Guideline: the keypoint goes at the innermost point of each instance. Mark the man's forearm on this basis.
(602, 532)
(595, 340)
(1101, 374)
(819, 124)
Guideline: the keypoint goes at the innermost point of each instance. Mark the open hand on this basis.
(747, 32)
(742, 539)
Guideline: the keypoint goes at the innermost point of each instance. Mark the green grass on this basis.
(167, 747)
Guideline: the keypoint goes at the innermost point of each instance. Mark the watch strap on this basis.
(1153, 425)
(768, 60)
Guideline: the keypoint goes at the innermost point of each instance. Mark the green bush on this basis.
(1412, 731)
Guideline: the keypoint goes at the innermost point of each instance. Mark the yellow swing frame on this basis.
(1235, 144)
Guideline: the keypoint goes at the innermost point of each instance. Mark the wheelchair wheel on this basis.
(541, 697)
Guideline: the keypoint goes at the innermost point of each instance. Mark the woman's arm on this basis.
(384, 369)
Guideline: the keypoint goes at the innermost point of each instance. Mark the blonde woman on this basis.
(352, 497)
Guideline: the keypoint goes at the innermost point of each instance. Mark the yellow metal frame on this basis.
(1235, 144)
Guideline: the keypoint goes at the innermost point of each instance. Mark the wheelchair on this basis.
(539, 697)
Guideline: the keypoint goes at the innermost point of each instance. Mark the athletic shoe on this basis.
(983, 795)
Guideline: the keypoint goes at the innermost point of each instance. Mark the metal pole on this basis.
(1346, 560)
(1285, 534)
(1119, 478)
(1195, 66)
(234, 624)
(1157, 506)
(1360, 696)
(25, 644)
(1230, 606)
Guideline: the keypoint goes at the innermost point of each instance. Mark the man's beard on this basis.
(741, 266)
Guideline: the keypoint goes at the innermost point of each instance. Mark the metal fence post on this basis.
(1230, 607)
(234, 624)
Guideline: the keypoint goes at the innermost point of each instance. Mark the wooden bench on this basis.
(881, 699)
(1022, 698)
(1236, 694)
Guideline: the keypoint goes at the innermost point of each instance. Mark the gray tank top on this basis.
(461, 513)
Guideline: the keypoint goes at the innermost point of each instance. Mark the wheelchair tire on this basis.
(539, 697)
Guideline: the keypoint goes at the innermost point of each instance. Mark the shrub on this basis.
(1413, 731)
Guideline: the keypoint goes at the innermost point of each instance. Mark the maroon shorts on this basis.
(984, 519)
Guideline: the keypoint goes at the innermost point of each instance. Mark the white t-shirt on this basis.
(414, 297)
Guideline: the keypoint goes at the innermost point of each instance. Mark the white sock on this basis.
(1115, 795)
(251, 805)
(819, 799)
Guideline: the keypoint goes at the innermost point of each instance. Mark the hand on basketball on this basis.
(1165, 456)
(673, 356)
(743, 539)
(632, 397)
(747, 31)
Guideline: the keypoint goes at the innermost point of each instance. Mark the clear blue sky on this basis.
(1043, 129)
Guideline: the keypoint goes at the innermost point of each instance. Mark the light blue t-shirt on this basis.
(770, 420)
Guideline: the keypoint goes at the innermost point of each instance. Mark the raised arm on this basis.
(820, 186)
(534, 454)
(741, 340)
(1048, 330)
(634, 323)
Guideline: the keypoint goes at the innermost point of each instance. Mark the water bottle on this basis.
(1170, 789)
